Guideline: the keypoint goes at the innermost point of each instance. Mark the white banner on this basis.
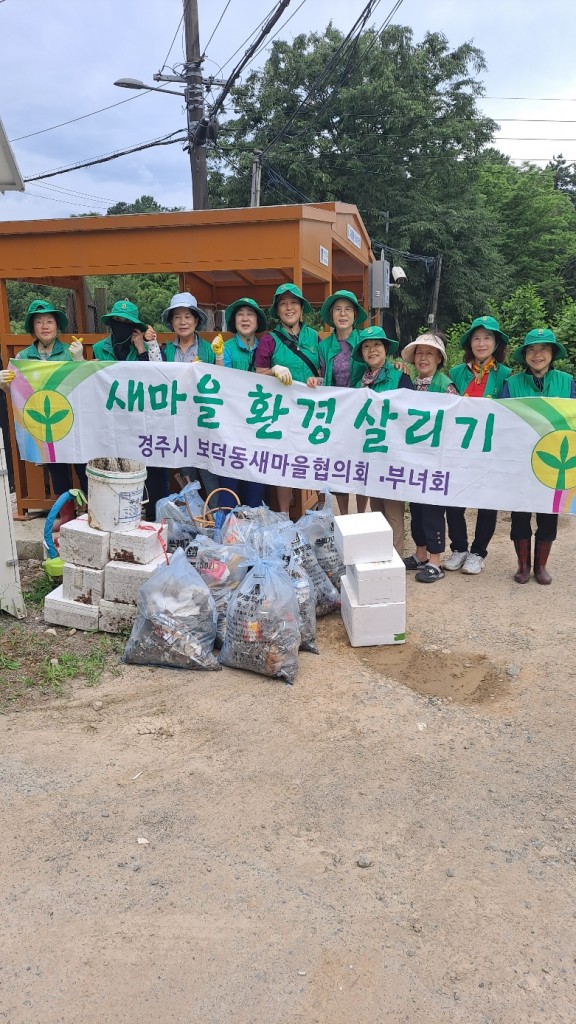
(517, 455)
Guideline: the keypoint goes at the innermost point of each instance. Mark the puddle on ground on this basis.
(472, 679)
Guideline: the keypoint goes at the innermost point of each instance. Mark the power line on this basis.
(247, 40)
(179, 25)
(216, 26)
(165, 140)
(277, 33)
(80, 118)
(535, 99)
(53, 199)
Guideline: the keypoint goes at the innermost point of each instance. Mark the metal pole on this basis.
(195, 104)
(256, 178)
(435, 293)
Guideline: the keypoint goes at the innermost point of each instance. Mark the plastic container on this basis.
(115, 495)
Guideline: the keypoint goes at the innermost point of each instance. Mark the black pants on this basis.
(428, 527)
(485, 527)
(546, 526)
(157, 484)
(60, 474)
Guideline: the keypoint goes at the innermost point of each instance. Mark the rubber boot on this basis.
(541, 553)
(524, 552)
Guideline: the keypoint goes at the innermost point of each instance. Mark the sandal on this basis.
(413, 563)
(429, 574)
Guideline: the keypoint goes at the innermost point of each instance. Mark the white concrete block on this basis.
(82, 584)
(122, 580)
(81, 544)
(74, 614)
(363, 537)
(141, 545)
(372, 625)
(116, 617)
(378, 582)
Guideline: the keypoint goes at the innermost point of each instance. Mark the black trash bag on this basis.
(175, 621)
(262, 633)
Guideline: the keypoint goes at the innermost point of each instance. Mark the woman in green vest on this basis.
(538, 378)
(371, 351)
(243, 318)
(481, 375)
(290, 351)
(427, 523)
(342, 312)
(44, 322)
(129, 336)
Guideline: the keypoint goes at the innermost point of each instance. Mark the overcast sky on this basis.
(59, 60)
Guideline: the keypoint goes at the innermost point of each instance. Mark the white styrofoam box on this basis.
(378, 582)
(372, 625)
(116, 617)
(122, 580)
(74, 614)
(141, 545)
(82, 584)
(81, 544)
(363, 537)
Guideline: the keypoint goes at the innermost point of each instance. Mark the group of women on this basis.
(347, 357)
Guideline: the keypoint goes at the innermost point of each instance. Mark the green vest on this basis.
(104, 350)
(462, 375)
(285, 356)
(205, 353)
(240, 357)
(556, 385)
(330, 348)
(387, 380)
(60, 352)
(440, 382)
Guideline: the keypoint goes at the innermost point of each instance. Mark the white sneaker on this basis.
(473, 564)
(456, 561)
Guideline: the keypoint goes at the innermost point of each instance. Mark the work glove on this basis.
(76, 348)
(217, 345)
(6, 377)
(282, 373)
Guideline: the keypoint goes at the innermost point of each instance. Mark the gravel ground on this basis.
(389, 840)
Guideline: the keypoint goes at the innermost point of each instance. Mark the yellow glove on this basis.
(76, 349)
(6, 377)
(217, 345)
(282, 373)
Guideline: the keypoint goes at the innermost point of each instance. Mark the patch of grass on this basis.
(6, 662)
(37, 589)
(54, 672)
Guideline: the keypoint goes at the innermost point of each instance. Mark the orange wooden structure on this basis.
(219, 256)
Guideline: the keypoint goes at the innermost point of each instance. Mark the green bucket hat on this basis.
(235, 306)
(540, 336)
(325, 312)
(128, 311)
(294, 290)
(489, 324)
(374, 334)
(40, 306)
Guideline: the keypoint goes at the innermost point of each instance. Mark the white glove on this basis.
(6, 377)
(76, 348)
(282, 373)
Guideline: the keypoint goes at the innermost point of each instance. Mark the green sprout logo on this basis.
(48, 416)
(554, 460)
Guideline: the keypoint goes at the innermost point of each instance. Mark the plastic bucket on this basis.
(115, 497)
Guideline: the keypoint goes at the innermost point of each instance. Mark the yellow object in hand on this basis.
(218, 345)
(74, 338)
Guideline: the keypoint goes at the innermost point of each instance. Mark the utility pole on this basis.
(435, 293)
(256, 178)
(195, 104)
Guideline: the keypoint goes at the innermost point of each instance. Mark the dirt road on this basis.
(187, 848)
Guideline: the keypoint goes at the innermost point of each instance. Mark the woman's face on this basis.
(538, 358)
(343, 315)
(374, 353)
(482, 343)
(427, 359)
(45, 327)
(246, 322)
(184, 322)
(289, 309)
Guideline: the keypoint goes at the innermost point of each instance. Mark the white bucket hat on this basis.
(424, 339)
(186, 300)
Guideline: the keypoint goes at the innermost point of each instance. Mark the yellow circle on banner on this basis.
(48, 416)
(554, 460)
